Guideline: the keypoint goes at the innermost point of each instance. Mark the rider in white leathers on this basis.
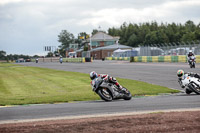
(180, 74)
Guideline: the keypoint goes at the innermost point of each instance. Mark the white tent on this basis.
(125, 53)
(119, 51)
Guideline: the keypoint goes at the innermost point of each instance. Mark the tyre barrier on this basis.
(176, 58)
(75, 60)
(118, 58)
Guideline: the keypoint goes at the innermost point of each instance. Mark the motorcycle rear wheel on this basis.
(195, 90)
(105, 94)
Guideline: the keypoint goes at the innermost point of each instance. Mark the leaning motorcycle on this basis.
(109, 91)
(192, 61)
(190, 84)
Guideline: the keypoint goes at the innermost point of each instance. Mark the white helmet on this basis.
(93, 75)
(190, 51)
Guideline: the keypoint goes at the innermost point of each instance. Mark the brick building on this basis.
(107, 51)
(101, 45)
(101, 39)
(72, 47)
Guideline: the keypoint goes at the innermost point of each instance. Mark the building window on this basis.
(95, 43)
(109, 43)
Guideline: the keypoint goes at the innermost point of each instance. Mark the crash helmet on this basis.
(180, 73)
(93, 75)
(190, 52)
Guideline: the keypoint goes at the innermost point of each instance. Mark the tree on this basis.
(133, 41)
(81, 36)
(2, 55)
(197, 32)
(190, 26)
(153, 33)
(188, 37)
(85, 48)
(94, 31)
(50, 54)
(65, 38)
(36, 56)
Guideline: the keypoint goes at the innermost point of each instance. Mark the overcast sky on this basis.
(28, 25)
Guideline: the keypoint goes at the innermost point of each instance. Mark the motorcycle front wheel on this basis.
(188, 91)
(105, 94)
(127, 95)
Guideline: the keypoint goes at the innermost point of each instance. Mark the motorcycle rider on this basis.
(189, 55)
(106, 78)
(180, 74)
(61, 60)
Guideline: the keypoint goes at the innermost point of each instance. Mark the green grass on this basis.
(31, 85)
(5, 64)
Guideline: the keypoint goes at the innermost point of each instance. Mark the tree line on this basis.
(12, 57)
(152, 33)
(142, 34)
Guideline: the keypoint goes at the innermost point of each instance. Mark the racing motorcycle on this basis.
(192, 62)
(190, 84)
(109, 91)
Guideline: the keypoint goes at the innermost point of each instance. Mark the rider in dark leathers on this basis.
(189, 55)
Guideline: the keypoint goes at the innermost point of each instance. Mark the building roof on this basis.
(114, 46)
(101, 36)
(79, 50)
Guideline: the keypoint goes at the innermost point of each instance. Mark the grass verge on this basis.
(32, 85)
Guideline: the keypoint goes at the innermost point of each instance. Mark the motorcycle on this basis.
(60, 60)
(109, 91)
(192, 62)
(190, 84)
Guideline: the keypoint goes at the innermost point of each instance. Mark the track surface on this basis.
(157, 73)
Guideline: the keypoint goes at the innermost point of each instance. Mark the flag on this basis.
(82, 37)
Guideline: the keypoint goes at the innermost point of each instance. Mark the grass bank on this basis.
(31, 85)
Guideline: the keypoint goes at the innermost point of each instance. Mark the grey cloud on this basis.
(27, 26)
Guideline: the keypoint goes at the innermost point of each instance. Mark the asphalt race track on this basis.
(156, 73)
